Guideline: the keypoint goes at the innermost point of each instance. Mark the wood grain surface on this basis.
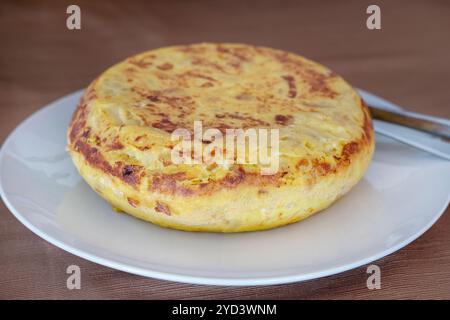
(407, 62)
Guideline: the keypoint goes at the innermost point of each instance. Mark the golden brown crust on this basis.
(121, 121)
(170, 183)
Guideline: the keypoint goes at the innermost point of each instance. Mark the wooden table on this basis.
(407, 62)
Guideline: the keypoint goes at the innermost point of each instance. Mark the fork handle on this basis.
(436, 126)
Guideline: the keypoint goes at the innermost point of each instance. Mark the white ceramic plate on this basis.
(403, 193)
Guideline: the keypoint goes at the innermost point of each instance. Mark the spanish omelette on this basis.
(120, 136)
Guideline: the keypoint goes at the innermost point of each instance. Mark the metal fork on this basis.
(433, 135)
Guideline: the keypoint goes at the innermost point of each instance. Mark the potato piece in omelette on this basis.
(120, 136)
